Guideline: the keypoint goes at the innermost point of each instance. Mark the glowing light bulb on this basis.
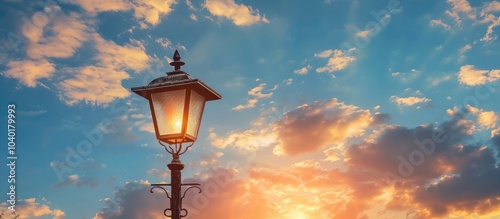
(178, 123)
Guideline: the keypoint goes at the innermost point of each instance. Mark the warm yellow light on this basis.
(295, 214)
(178, 123)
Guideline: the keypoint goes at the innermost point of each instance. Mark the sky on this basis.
(330, 108)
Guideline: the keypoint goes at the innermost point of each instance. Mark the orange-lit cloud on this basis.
(406, 77)
(303, 71)
(101, 84)
(255, 94)
(250, 104)
(483, 13)
(30, 71)
(60, 39)
(48, 37)
(240, 14)
(252, 139)
(492, 6)
(94, 85)
(432, 169)
(489, 35)
(459, 8)
(429, 168)
(150, 11)
(78, 181)
(487, 119)
(240, 200)
(307, 129)
(471, 76)
(310, 128)
(102, 5)
(440, 23)
(30, 208)
(409, 101)
(429, 171)
(337, 62)
(130, 56)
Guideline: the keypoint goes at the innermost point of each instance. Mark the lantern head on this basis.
(177, 102)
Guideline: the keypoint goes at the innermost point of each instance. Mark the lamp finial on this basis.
(177, 63)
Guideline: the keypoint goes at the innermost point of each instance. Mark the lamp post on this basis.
(177, 102)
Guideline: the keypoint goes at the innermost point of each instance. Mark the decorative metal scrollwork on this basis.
(177, 150)
(165, 212)
(159, 187)
(184, 215)
(191, 186)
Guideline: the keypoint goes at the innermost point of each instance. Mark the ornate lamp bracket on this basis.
(160, 186)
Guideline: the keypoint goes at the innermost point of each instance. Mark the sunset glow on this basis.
(330, 109)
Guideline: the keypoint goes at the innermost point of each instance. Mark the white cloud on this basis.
(193, 17)
(406, 77)
(337, 62)
(409, 101)
(160, 173)
(190, 5)
(435, 81)
(288, 81)
(147, 127)
(240, 14)
(439, 23)
(324, 54)
(471, 76)
(32, 113)
(164, 42)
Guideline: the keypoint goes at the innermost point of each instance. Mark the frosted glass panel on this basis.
(169, 109)
(195, 111)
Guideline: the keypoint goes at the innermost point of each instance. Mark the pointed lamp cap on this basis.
(177, 63)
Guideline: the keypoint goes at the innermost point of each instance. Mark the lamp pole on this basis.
(177, 102)
(176, 167)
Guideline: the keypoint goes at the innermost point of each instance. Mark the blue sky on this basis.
(330, 109)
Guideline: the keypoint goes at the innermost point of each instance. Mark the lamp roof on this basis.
(177, 79)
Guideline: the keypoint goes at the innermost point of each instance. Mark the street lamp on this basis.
(177, 102)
